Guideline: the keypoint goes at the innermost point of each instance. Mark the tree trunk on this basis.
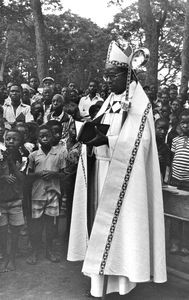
(4, 59)
(41, 45)
(185, 55)
(151, 29)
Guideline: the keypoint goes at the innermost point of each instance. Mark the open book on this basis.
(87, 130)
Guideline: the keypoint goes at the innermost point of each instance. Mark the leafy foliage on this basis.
(77, 46)
(128, 24)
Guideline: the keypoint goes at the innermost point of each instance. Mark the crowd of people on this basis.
(171, 116)
(39, 154)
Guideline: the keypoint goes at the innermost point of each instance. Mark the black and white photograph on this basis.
(94, 149)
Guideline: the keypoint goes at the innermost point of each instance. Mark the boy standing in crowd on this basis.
(66, 121)
(37, 112)
(161, 127)
(180, 178)
(180, 149)
(45, 167)
(56, 129)
(11, 196)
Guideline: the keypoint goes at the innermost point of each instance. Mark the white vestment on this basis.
(127, 241)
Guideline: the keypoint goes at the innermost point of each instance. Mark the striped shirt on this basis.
(180, 165)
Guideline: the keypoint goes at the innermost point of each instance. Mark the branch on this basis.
(162, 67)
(115, 2)
(29, 29)
(161, 21)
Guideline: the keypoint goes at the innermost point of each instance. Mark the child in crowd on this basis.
(180, 178)
(165, 112)
(56, 129)
(60, 115)
(57, 111)
(26, 147)
(180, 149)
(37, 112)
(33, 134)
(74, 150)
(11, 196)
(46, 168)
(71, 165)
(71, 106)
(161, 127)
(48, 93)
(173, 130)
(175, 108)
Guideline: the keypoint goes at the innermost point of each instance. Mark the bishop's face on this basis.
(116, 79)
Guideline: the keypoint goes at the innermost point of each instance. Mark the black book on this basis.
(87, 131)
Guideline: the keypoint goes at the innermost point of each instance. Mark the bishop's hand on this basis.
(99, 140)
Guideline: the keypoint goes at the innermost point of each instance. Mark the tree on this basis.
(152, 29)
(185, 55)
(17, 36)
(128, 23)
(41, 45)
(5, 54)
(77, 48)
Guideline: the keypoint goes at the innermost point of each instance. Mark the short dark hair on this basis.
(146, 87)
(33, 106)
(52, 123)
(38, 102)
(43, 126)
(18, 85)
(15, 131)
(184, 112)
(166, 105)
(162, 120)
(173, 86)
(24, 125)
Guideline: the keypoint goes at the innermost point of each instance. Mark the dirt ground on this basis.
(64, 280)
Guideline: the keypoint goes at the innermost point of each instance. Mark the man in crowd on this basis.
(15, 110)
(34, 84)
(86, 102)
(47, 101)
(48, 82)
(127, 241)
(71, 86)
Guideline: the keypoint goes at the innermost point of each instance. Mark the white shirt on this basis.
(47, 111)
(86, 102)
(10, 115)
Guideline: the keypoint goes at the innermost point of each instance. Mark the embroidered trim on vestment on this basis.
(123, 189)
